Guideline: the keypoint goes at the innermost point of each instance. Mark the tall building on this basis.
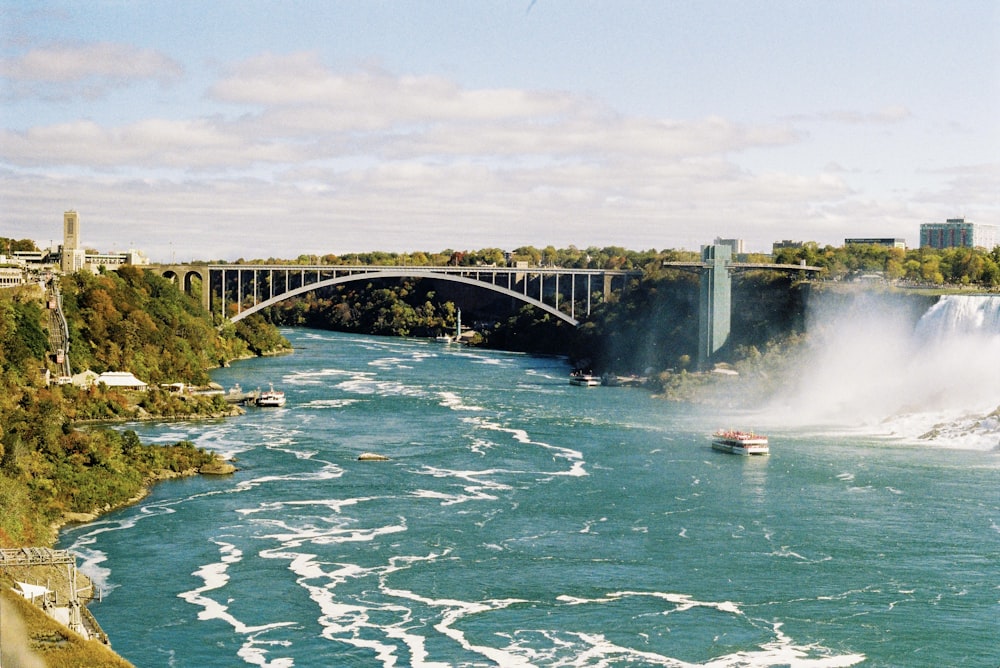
(71, 230)
(73, 257)
(735, 244)
(958, 233)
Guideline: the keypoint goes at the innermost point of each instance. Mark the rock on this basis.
(372, 457)
(218, 466)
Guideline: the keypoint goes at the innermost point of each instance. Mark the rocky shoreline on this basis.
(218, 466)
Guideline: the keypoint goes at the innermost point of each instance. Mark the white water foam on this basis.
(474, 491)
(215, 576)
(455, 402)
(350, 623)
(597, 650)
(521, 436)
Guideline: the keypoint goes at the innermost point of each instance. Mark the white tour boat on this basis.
(272, 398)
(740, 442)
(584, 379)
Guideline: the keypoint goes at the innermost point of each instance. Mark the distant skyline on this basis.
(221, 130)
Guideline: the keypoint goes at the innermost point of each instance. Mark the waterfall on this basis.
(960, 315)
(869, 368)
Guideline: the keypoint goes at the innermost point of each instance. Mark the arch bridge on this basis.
(239, 290)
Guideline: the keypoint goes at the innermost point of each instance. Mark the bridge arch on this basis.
(183, 276)
(402, 273)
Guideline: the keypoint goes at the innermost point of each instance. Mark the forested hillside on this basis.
(128, 320)
(134, 320)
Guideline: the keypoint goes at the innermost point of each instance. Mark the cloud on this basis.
(300, 111)
(368, 160)
(153, 143)
(372, 97)
(87, 70)
(885, 116)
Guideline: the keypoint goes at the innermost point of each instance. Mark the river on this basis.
(522, 521)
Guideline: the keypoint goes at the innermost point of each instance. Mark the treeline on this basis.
(609, 257)
(949, 266)
(404, 307)
(8, 245)
(126, 320)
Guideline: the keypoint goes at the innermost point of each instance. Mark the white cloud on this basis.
(88, 70)
(885, 116)
(301, 80)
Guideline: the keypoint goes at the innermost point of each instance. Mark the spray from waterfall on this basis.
(869, 367)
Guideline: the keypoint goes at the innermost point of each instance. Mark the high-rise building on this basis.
(71, 230)
(958, 233)
(73, 257)
(735, 244)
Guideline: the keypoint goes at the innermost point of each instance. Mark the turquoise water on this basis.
(523, 521)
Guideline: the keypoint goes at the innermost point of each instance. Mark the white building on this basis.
(11, 277)
(121, 379)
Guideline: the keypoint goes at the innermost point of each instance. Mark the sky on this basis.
(232, 129)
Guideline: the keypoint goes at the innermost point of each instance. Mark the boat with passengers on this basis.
(737, 442)
(271, 398)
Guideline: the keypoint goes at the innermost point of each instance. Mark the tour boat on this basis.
(740, 442)
(271, 398)
(584, 379)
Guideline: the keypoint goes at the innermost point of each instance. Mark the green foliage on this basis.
(949, 266)
(137, 321)
(8, 246)
(125, 320)
(397, 307)
(23, 343)
(76, 471)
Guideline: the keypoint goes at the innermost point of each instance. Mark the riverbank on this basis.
(216, 466)
(33, 639)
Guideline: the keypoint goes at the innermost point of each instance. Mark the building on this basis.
(11, 277)
(880, 241)
(74, 258)
(735, 244)
(786, 243)
(120, 379)
(958, 233)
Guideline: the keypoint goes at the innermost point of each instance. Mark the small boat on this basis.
(584, 379)
(740, 442)
(448, 338)
(272, 398)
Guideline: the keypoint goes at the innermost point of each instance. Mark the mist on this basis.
(880, 362)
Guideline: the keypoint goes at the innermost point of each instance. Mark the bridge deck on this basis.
(745, 265)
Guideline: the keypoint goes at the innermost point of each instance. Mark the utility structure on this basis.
(715, 305)
(715, 284)
(71, 612)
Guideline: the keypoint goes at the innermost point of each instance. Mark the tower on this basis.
(716, 302)
(71, 230)
(73, 257)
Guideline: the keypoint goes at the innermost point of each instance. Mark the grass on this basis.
(29, 638)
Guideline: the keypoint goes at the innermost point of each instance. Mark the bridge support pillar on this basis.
(181, 275)
(715, 306)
